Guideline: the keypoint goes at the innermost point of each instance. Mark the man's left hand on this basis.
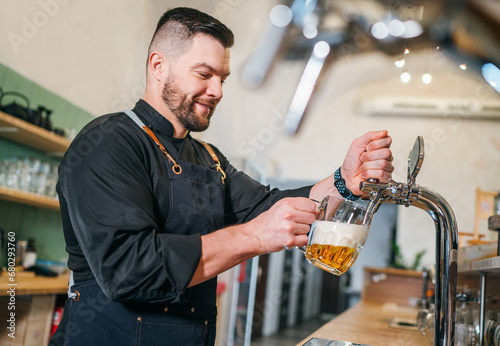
(368, 157)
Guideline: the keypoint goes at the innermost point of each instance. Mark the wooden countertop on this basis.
(368, 323)
(26, 284)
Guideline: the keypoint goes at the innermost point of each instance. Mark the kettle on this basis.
(39, 117)
(13, 108)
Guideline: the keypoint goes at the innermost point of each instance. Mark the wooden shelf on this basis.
(489, 265)
(34, 285)
(483, 265)
(28, 198)
(35, 137)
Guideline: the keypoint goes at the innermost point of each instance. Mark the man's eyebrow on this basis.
(213, 70)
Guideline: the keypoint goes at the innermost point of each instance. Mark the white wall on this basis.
(93, 53)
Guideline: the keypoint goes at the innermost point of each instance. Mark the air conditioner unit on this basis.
(469, 107)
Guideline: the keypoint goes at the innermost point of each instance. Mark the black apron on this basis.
(90, 318)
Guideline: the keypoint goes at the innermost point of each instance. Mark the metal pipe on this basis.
(425, 286)
(482, 308)
(446, 262)
(446, 246)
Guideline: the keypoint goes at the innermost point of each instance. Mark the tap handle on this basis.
(415, 160)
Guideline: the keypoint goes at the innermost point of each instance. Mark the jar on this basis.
(496, 337)
(490, 328)
(496, 205)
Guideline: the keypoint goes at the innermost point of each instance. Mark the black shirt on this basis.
(114, 204)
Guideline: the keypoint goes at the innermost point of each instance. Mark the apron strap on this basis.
(215, 158)
(176, 168)
(71, 294)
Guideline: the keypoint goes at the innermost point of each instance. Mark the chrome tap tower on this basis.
(410, 194)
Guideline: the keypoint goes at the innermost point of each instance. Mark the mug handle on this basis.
(320, 214)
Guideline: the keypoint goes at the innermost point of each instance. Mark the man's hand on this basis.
(285, 224)
(368, 157)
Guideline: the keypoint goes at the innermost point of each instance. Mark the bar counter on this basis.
(368, 323)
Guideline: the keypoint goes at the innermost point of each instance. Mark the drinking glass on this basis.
(338, 234)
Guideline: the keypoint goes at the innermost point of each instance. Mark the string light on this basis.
(405, 76)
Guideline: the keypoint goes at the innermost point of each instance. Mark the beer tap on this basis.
(411, 194)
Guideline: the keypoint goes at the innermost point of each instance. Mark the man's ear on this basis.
(157, 65)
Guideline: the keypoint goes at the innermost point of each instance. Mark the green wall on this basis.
(43, 225)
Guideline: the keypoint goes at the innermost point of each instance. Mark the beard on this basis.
(183, 108)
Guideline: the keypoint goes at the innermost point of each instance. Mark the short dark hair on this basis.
(177, 27)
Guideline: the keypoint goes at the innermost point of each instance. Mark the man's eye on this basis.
(204, 75)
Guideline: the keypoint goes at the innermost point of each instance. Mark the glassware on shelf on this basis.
(425, 322)
(429, 327)
(492, 323)
(29, 174)
(496, 338)
(467, 320)
(421, 320)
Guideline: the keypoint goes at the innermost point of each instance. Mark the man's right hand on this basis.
(285, 224)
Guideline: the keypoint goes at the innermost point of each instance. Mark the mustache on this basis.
(209, 102)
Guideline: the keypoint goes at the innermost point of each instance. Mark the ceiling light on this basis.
(405, 77)
(397, 28)
(310, 31)
(380, 30)
(280, 15)
(321, 49)
(412, 29)
(399, 63)
(492, 75)
(426, 78)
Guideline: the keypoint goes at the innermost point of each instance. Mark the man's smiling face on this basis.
(193, 86)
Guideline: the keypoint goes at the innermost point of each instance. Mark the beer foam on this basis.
(337, 233)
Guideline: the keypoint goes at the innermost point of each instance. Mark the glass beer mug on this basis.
(338, 235)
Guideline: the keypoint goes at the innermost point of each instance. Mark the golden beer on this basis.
(337, 236)
(334, 259)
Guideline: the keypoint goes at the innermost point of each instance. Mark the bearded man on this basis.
(151, 216)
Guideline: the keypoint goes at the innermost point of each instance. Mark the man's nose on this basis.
(214, 88)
